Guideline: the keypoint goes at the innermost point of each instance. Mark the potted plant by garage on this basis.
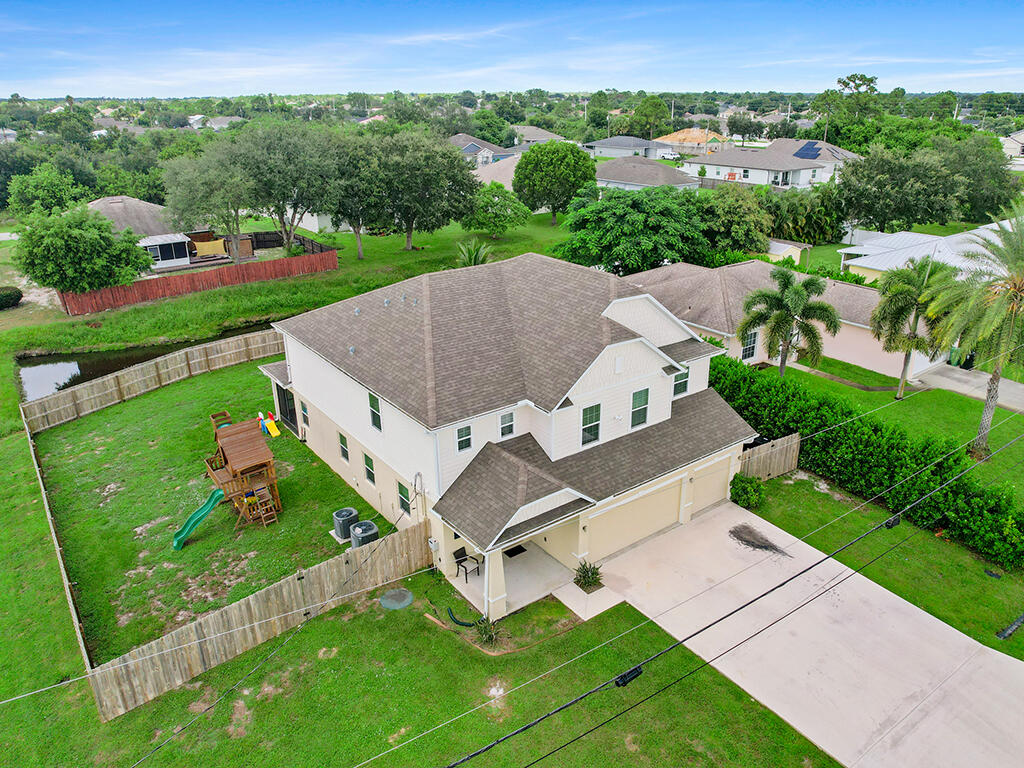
(588, 577)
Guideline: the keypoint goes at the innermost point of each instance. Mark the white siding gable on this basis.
(546, 504)
(647, 317)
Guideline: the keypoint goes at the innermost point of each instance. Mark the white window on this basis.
(814, 173)
(375, 411)
(464, 438)
(681, 382)
(749, 346)
(371, 475)
(591, 423)
(305, 414)
(403, 499)
(343, 445)
(746, 173)
(507, 424)
(718, 171)
(638, 414)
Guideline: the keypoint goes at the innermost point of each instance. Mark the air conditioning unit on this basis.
(343, 519)
(363, 532)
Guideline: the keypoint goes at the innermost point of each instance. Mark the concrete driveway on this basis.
(865, 675)
(974, 383)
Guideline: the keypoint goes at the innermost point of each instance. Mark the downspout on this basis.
(487, 585)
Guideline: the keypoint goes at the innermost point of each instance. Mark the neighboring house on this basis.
(711, 300)
(640, 173)
(531, 134)
(477, 151)
(372, 119)
(627, 146)
(502, 172)
(1013, 145)
(695, 141)
(875, 255)
(104, 124)
(169, 248)
(220, 123)
(536, 412)
(786, 249)
(783, 163)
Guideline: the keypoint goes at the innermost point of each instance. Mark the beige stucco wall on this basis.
(626, 524)
(868, 274)
(791, 252)
(562, 542)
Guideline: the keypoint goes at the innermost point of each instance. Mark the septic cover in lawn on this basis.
(394, 599)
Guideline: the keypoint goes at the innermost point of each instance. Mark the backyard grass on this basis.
(950, 228)
(824, 256)
(941, 577)
(28, 311)
(853, 373)
(123, 480)
(360, 679)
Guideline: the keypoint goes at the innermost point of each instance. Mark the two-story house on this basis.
(536, 412)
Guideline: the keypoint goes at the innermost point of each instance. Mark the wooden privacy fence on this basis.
(81, 399)
(152, 669)
(771, 459)
(192, 282)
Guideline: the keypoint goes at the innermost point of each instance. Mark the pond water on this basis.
(43, 375)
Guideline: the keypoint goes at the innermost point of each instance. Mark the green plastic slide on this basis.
(197, 517)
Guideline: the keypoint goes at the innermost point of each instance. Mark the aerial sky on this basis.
(216, 48)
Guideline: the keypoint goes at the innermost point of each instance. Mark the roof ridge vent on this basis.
(351, 350)
(387, 302)
(356, 311)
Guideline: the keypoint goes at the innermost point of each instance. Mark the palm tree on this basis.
(897, 318)
(789, 314)
(472, 253)
(982, 309)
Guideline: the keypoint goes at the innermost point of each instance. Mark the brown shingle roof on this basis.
(713, 298)
(464, 140)
(449, 345)
(131, 213)
(485, 497)
(642, 171)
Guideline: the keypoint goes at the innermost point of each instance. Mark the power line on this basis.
(634, 671)
(674, 606)
(917, 531)
(256, 667)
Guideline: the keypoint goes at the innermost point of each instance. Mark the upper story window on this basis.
(343, 445)
(403, 499)
(464, 438)
(375, 411)
(681, 383)
(305, 414)
(507, 425)
(746, 173)
(749, 346)
(638, 414)
(591, 423)
(371, 475)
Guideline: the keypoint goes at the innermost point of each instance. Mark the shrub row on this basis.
(865, 457)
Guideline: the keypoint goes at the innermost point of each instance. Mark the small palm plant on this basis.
(981, 309)
(472, 253)
(900, 319)
(790, 314)
(588, 576)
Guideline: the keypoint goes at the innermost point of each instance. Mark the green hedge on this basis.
(866, 456)
(9, 296)
(746, 491)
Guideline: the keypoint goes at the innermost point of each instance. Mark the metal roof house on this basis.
(628, 146)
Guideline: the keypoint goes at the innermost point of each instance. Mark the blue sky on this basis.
(188, 48)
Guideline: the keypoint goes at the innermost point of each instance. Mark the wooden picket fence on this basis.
(152, 669)
(772, 459)
(81, 399)
(192, 282)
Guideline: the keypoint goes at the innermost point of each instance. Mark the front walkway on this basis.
(974, 383)
(865, 675)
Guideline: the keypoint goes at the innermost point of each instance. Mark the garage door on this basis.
(710, 485)
(635, 520)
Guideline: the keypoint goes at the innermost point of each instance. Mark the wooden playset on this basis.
(243, 468)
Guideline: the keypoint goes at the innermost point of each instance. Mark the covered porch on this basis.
(526, 571)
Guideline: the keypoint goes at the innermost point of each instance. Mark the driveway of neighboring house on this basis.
(865, 675)
(974, 383)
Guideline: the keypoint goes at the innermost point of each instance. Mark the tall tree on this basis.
(733, 220)
(427, 184)
(355, 191)
(981, 310)
(286, 163)
(626, 232)
(551, 174)
(496, 210)
(900, 320)
(650, 113)
(212, 191)
(790, 316)
(46, 188)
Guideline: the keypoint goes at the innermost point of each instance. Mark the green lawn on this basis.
(936, 575)
(939, 413)
(123, 480)
(824, 256)
(359, 679)
(952, 228)
(28, 311)
(854, 373)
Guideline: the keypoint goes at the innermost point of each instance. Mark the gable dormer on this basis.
(646, 316)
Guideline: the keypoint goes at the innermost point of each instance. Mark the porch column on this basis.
(495, 598)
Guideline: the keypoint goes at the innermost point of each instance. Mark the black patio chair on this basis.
(462, 563)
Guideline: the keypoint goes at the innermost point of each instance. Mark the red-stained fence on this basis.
(191, 282)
